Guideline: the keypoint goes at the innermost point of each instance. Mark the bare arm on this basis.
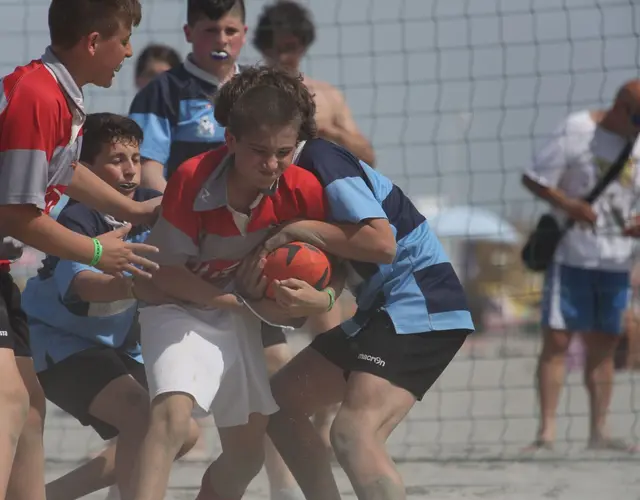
(153, 175)
(97, 287)
(577, 209)
(347, 134)
(179, 282)
(554, 196)
(87, 188)
(338, 276)
(370, 241)
(29, 225)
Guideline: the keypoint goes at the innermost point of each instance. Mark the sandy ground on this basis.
(463, 441)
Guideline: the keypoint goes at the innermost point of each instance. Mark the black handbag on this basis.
(538, 252)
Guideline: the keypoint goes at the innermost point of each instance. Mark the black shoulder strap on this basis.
(614, 171)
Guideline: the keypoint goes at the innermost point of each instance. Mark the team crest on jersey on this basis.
(206, 127)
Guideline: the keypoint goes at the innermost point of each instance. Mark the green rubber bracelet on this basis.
(332, 298)
(97, 252)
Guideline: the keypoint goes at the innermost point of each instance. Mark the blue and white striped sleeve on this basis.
(352, 194)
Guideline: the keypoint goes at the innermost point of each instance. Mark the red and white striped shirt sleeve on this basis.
(29, 121)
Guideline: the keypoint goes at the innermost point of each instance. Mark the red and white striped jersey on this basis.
(198, 229)
(41, 118)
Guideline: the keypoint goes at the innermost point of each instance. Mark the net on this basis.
(454, 95)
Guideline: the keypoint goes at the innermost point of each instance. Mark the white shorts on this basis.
(215, 356)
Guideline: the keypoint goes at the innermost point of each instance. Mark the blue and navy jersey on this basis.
(175, 112)
(60, 323)
(419, 290)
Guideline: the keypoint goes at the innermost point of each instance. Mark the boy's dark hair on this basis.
(156, 52)
(284, 16)
(230, 94)
(263, 106)
(70, 20)
(102, 129)
(213, 9)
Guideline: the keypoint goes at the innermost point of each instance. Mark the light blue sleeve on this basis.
(152, 108)
(64, 274)
(350, 200)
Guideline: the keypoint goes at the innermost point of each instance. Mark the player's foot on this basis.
(538, 445)
(612, 444)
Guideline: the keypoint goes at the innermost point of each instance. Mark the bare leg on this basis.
(124, 404)
(241, 459)
(306, 384)
(168, 431)
(94, 475)
(27, 475)
(550, 374)
(371, 410)
(282, 484)
(344, 309)
(598, 378)
(14, 407)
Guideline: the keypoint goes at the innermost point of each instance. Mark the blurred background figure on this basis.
(152, 61)
(283, 35)
(587, 286)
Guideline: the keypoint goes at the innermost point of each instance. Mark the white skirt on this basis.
(215, 356)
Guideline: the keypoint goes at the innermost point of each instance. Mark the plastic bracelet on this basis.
(332, 297)
(97, 252)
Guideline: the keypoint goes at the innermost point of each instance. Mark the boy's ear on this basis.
(187, 33)
(231, 141)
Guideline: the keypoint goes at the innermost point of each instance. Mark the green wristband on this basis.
(97, 252)
(332, 297)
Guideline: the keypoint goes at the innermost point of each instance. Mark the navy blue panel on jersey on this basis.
(62, 324)
(420, 289)
(175, 112)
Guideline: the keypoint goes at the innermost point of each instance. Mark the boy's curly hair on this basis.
(263, 76)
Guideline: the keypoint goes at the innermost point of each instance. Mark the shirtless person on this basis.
(283, 35)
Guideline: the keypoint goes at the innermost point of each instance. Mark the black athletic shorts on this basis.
(411, 361)
(272, 335)
(73, 383)
(14, 331)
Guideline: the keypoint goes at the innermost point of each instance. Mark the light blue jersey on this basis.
(419, 290)
(60, 323)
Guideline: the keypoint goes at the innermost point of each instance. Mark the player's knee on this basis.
(135, 414)
(277, 356)
(555, 343)
(245, 445)
(171, 419)
(192, 437)
(14, 402)
(37, 407)
(346, 436)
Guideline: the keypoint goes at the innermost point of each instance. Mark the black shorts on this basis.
(411, 361)
(272, 335)
(14, 330)
(73, 383)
